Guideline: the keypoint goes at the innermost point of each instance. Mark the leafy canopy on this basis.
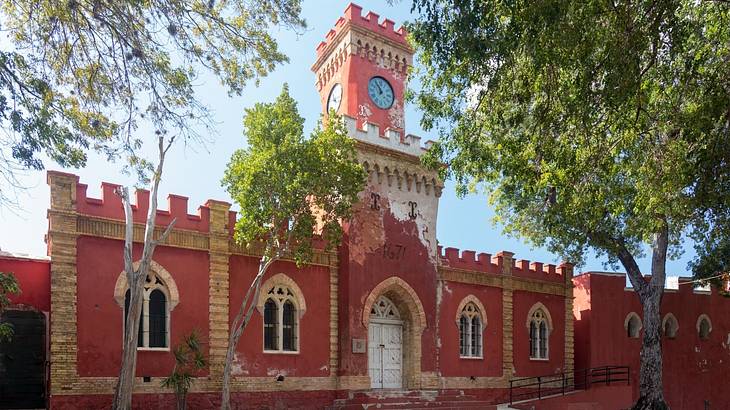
(8, 285)
(589, 122)
(289, 186)
(83, 74)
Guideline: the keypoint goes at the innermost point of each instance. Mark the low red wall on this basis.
(692, 367)
(34, 279)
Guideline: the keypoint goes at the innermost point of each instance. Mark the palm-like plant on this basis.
(189, 359)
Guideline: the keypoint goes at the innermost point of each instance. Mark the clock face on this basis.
(335, 98)
(380, 92)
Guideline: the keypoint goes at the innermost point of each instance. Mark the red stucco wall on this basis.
(524, 366)
(100, 319)
(34, 279)
(693, 368)
(451, 362)
(314, 326)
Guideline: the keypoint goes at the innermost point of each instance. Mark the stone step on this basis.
(441, 405)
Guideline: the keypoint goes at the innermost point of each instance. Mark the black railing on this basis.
(527, 388)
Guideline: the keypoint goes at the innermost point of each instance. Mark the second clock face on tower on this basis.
(381, 92)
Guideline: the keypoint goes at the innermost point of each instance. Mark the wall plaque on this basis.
(358, 345)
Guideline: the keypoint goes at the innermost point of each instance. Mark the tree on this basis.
(136, 276)
(85, 74)
(287, 187)
(88, 73)
(587, 122)
(189, 360)
(8, 286)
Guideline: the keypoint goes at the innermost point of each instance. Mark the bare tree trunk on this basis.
(651, 394)
(136, 279)
(239, 324)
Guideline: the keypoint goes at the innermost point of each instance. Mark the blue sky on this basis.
(195, 170)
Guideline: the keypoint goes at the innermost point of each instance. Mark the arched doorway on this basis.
(399, 319)
(385, 345)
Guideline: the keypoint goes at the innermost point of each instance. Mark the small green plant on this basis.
(189, 359)
(8, 285)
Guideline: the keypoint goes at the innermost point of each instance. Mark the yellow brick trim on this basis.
(498, 281)
(121, 286)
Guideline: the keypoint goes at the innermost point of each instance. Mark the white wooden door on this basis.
(385, 355)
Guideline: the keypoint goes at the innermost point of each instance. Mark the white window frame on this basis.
(470, 312)
(542, 338)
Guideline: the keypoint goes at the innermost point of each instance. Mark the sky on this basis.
(195, 171)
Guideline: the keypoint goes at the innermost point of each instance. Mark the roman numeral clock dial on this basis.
(381, 92)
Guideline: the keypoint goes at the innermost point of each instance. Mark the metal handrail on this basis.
(561, 383)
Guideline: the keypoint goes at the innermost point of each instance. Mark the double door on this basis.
(385, 354)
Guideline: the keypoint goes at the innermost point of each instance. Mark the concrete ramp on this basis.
(595, 398)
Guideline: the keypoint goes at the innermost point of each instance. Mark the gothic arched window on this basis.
(470, 331)
(539, 334)
(154, 322)
(271, 314)
(281, 319)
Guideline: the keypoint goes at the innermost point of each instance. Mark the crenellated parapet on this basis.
(390, 139)
(110, 206)
(502, 263)
(366, 37)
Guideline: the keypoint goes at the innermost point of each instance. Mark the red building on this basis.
(389, 310)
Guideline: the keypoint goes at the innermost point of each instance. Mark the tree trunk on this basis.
(125, 384)
(136, 279)
(651, 394)
(237, 327)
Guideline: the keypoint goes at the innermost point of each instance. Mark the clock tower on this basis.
(389, 252)
(361, 71)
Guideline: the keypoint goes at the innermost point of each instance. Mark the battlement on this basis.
(110, 206)
(391, 139)
(371, 22)
(486, 263)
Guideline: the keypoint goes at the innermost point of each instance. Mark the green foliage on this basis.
(286, 185)
(590, 123)
(85, 73)
(8, 285)
(189, 360)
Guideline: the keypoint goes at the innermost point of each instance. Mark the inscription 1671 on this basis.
(391, 251)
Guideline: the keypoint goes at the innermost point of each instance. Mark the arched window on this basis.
(704, 327)
(271, 314)
(670, 326)
(633, 325)
(154, 323)
(539, 334)
(281, 320)
(470, 331)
